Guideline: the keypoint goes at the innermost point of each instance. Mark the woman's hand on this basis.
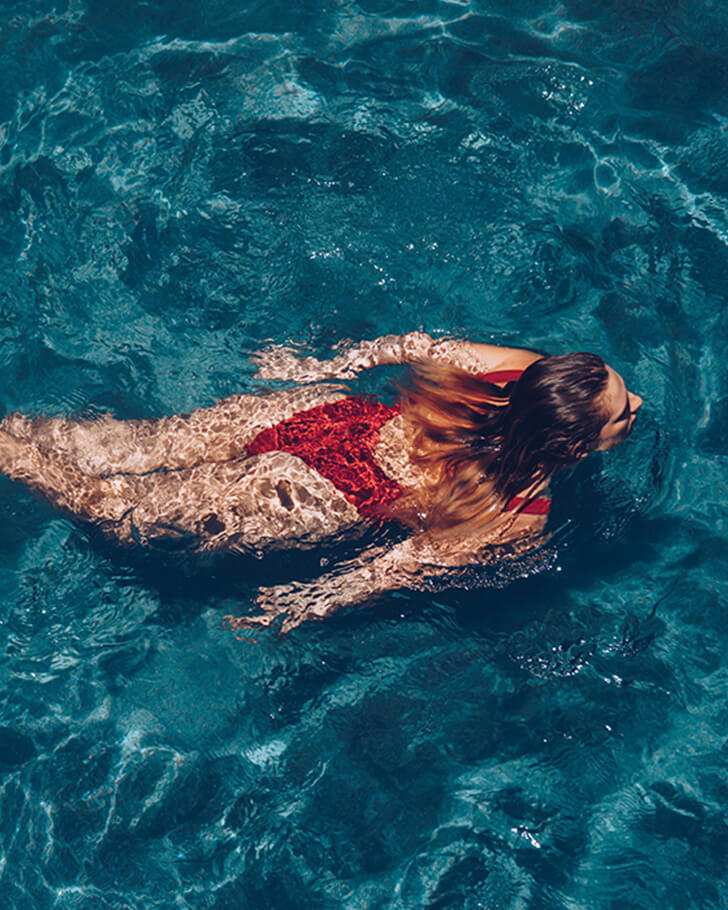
(296, 602)
(358, 581)
(281, 362)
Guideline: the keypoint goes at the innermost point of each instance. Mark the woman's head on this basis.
(620, 407)
(554, 417)
(561, 409)
(488, 444)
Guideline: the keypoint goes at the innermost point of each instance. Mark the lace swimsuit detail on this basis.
(338, 440)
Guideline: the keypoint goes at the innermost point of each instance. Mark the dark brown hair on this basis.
(481, 445)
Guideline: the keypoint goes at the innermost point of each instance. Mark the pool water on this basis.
(181, 184)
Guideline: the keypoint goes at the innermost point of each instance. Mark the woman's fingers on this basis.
(235, 623)
(279, 363)
(275, 600)
(286, 363)
(272, 601)
(296, 603)
(292, 621)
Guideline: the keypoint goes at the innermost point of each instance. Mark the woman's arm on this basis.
(412, 564)
(373, 573)
(284, 363)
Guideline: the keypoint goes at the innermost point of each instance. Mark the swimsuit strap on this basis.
(539, 506)
(501, 375)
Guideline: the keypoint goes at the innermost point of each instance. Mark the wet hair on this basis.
(480, 445)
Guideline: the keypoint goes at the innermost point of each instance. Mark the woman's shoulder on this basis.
(475, 357)
(492, 358)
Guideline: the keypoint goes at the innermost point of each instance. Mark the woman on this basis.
(464, 461)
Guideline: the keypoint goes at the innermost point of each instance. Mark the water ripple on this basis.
(178, 186)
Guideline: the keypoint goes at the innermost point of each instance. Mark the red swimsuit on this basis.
(338, 441)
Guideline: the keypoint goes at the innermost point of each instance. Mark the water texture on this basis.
(182, 183)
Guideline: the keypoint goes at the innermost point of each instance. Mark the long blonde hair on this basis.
(480, 445)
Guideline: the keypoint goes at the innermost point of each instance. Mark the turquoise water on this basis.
(178, 188)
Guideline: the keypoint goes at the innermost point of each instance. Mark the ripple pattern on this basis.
(181, 184)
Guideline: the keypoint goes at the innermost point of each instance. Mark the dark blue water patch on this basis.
(684, 79)
(714, 439)
(106, 29)
(16, 748)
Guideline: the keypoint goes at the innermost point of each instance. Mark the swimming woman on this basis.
(464, 461)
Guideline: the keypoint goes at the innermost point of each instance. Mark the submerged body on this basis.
(240, 476)
(212, 476)
(187, 477)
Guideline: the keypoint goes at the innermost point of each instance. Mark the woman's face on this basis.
(621, 406)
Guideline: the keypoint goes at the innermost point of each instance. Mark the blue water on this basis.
(180, 184)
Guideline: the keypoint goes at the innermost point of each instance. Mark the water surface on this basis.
(180, 185)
